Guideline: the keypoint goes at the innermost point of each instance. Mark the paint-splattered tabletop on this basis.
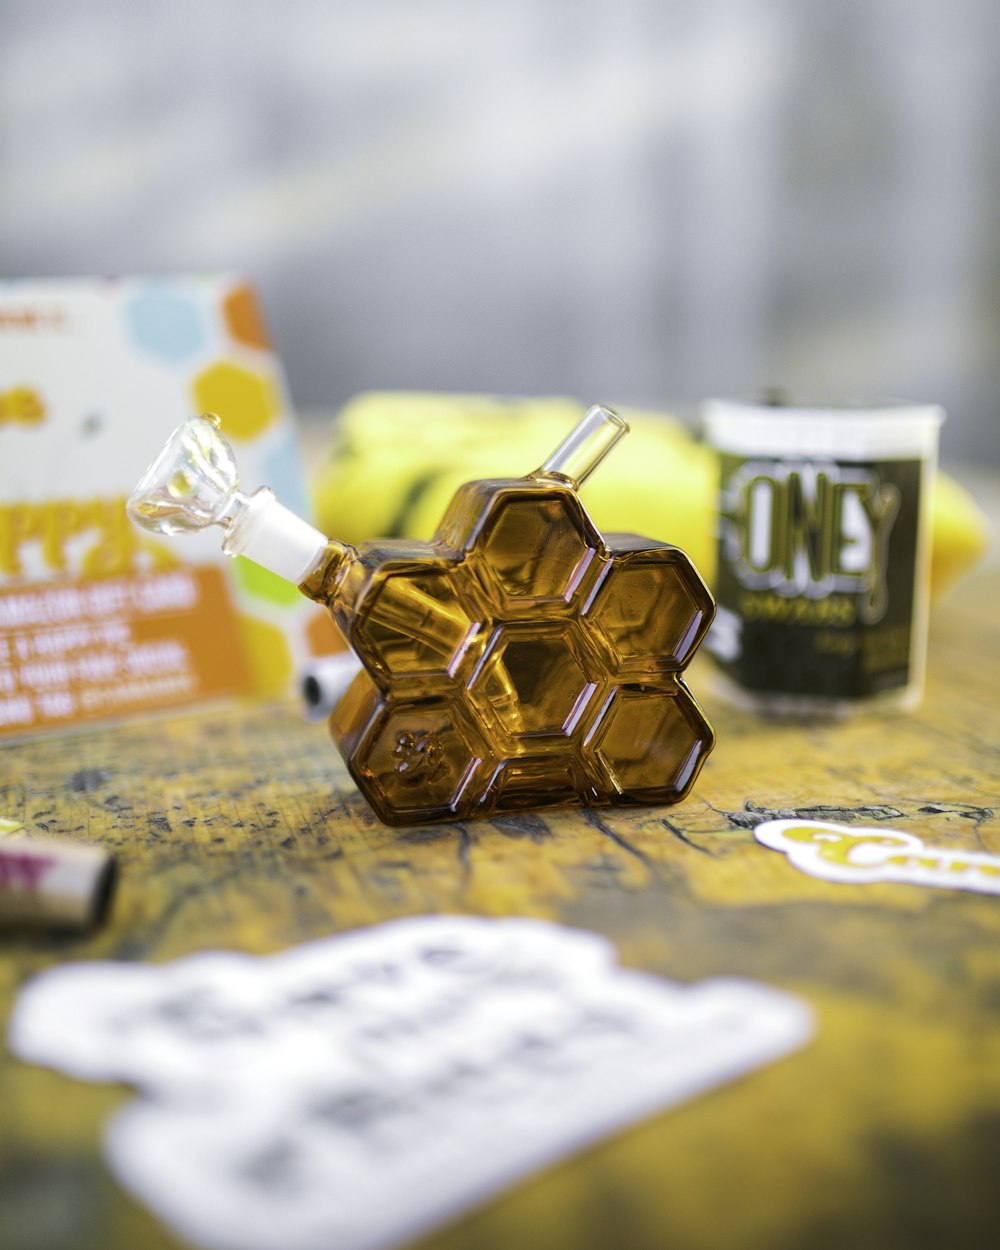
(239, 828)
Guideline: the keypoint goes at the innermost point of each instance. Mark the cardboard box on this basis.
(98, 619)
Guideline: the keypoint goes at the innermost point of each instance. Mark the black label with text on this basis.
(817, 574)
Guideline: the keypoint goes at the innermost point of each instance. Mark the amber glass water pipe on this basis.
(518, 659)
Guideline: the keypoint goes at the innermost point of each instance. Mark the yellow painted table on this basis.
(239, 828)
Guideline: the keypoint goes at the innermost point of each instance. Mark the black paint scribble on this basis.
(751, 815)
(464, 848)
(679, 834)
(963, 810)
(115, 803)
(426, 833)
(597, 823)
(522, 825)
(87, 780)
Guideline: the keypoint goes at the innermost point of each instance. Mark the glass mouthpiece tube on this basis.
(586, 445)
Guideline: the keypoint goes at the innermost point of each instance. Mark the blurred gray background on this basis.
(618, 199)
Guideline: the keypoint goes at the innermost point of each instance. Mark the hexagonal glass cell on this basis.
(652, 743)
(537, 544)
(418, 759)
(417, 624)
(652, 609)
(533, 683)
(536, 781)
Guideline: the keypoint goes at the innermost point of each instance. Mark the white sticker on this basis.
(355, 1091)
(848, 853)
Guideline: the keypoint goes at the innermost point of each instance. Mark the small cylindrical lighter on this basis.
(46, 883)
(324, 682)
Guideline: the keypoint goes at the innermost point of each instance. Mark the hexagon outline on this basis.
(594, 681)
(368, 781)
(575, 768)
(367, 648)
(592, 549)
(701, 744)
(685, 572)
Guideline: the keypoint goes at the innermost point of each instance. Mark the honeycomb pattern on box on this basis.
(246, 400)
(213, 334)
(166, 324)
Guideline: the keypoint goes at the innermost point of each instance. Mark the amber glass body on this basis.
(519, 659)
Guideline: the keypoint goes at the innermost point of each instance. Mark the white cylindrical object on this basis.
(271, 535)
(824, 550)
(53, 884)
(886, 431)
(324, 682)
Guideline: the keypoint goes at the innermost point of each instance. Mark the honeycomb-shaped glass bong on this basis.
(518, 659)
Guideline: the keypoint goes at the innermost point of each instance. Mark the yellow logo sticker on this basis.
(840, 853)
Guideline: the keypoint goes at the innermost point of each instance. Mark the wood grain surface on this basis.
(239, 828)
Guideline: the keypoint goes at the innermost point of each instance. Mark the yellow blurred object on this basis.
(398, 457)
(268, 655)
(959, 531)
